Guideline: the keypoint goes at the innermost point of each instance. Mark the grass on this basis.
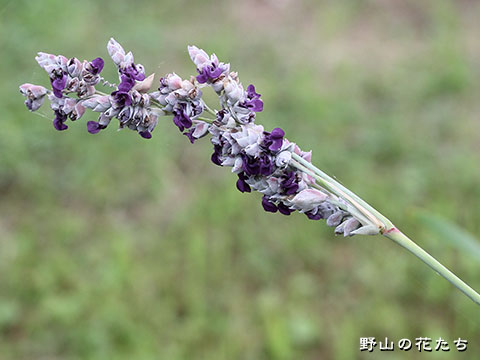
(114, 247)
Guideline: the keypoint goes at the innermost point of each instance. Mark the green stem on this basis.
(401, 239)
(341, 191)
(389, 230)
(213, 112)
(210, 121)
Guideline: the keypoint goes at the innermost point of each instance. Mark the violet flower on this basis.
(264, 162)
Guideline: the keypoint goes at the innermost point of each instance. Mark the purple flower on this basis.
(284, 209)
(59, 121)
(242, 184)
(134, 72)
(216, 155)
(313, 216)
(94, 127)
(268, 206)
(209, 73)
(182, 120)
(274, 140)
(58, 84)
(96, 66)
(250, 165)
(120, 99)
(253, 102)
(289, 184)
(251, 93)
(128, 77)
(126, 84)
(145, 134)
(266, 165)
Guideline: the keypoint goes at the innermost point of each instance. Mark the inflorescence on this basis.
(263, 161)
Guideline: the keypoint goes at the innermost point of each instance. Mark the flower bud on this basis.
(74, 67)
(98, 103)
(145, 85)
(308, 199)
(116, 52)
(198, 56)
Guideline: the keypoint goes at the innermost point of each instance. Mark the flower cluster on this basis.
(263, 161)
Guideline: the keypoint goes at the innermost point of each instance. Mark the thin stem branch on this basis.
(402, 240)
(213, 112)
(210, 121)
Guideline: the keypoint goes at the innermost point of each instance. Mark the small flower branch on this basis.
(263, 161)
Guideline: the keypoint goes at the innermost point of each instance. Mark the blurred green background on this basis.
(112, 247)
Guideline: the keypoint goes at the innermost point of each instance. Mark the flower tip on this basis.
(93, 127)
(145, 134)
(144, 85)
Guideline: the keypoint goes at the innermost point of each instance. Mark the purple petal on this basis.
(145, 134)
(202, 78)
(93, 127)
(255, 105)
(97, 65)
(242, 185)
(284, 209)
(59, 125)
(126, 84)
(276, 145)
(251, 93)
(58, 84)
(268, 206)
(311, 216)
(277, 133)
(215, 156)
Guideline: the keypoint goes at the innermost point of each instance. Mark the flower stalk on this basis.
(263, 161)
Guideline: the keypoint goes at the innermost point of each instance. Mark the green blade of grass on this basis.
(451, 233)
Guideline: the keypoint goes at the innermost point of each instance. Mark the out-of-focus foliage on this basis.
(113, 247)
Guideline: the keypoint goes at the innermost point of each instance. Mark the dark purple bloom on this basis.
(289, 184)
(266, 165)
(59, 121)
(242, 184)
(126, 84)
(58, 84)
(251, 93)
(311, 216)
(145, 134)
(255, 105)
(94, 127)
(133, 72)
(253, 102)
(120, 99)
(284, 209)
(250, 165)
(211, 73)
(274, 140)
(267, 205)
(262, 165)
(182, 120)
(96, 66)
(216, 155)
(128, 77)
